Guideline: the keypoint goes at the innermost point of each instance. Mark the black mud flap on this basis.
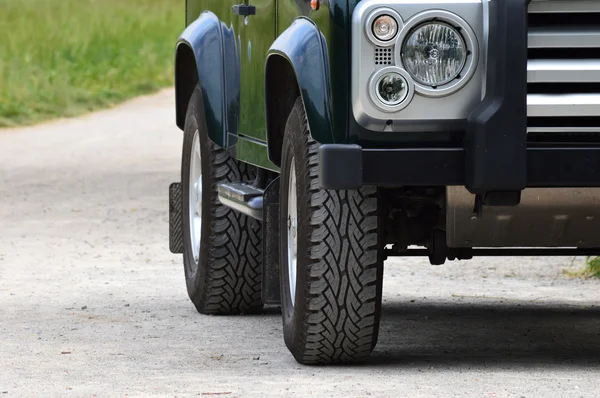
(270, 275)
(175, 219)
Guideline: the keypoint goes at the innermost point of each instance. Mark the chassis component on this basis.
(482, 142)
(546, 217)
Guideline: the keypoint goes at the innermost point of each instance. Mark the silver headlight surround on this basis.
(375, 97)
(371, 20)
(468, 36)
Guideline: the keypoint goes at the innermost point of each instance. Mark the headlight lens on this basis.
(385, 28)
(434, 54)
(391, 89)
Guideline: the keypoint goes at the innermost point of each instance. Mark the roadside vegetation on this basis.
(66, 57)
(592, 269)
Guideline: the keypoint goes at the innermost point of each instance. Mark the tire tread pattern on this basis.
(345, 268)
(228, 279)
(234, 274)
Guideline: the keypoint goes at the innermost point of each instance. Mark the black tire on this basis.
(337, 308)
(227, 278)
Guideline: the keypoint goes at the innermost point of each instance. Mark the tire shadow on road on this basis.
(515, 333)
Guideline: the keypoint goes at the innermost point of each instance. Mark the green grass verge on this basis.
(591, 269)
(66, 57)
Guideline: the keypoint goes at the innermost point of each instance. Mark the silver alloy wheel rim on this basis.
(292, 232)
(195, 197)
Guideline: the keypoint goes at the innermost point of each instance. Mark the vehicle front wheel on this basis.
(222, 249)
(331, 258)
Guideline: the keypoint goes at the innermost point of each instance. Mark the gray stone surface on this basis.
(93, 303)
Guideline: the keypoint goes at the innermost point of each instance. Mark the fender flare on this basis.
(200, 58)
(297, 64)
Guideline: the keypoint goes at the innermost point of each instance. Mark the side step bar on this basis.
(242, 197)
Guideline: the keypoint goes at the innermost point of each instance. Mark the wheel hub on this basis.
(195, 197)
(198, 189)
(292, 233)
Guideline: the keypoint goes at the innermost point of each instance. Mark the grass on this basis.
(66, 57)
(591, 269)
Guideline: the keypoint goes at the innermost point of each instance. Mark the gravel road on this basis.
(93, 304)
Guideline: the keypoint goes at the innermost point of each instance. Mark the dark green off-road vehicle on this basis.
(323, 136)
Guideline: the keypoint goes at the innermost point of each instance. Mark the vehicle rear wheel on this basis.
(331, 258)
(222, 248)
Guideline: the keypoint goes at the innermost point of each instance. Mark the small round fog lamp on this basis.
(391, 89)
(385, 27)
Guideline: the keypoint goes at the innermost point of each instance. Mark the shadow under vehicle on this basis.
(321, 137)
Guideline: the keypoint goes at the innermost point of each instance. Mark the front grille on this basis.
(563, 68)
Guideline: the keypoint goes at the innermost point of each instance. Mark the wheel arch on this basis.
(186, 78)
(297, 65)
(200, 60)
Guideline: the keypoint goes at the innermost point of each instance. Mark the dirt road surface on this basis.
(93, 304)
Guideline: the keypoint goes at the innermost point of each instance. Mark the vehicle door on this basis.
(256, 34)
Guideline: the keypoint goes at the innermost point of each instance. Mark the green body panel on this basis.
(257, 33)
(245, 104)
(254, 152)
(211, 38)
(332, 20)
(253, 37)
(334, 23)
(308, 61)
(221, 8)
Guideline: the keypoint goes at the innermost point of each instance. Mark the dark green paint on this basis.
(203, 37)
(231, 67)
(230, 52)
(335, 25)
(254, 152)
(221, 8)
(308, 61)
(247, 41)
(211, 36)
(328, 118)
(257, 33)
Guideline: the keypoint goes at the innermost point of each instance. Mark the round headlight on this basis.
(434, 54)
(385, 27)
(391, 89)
